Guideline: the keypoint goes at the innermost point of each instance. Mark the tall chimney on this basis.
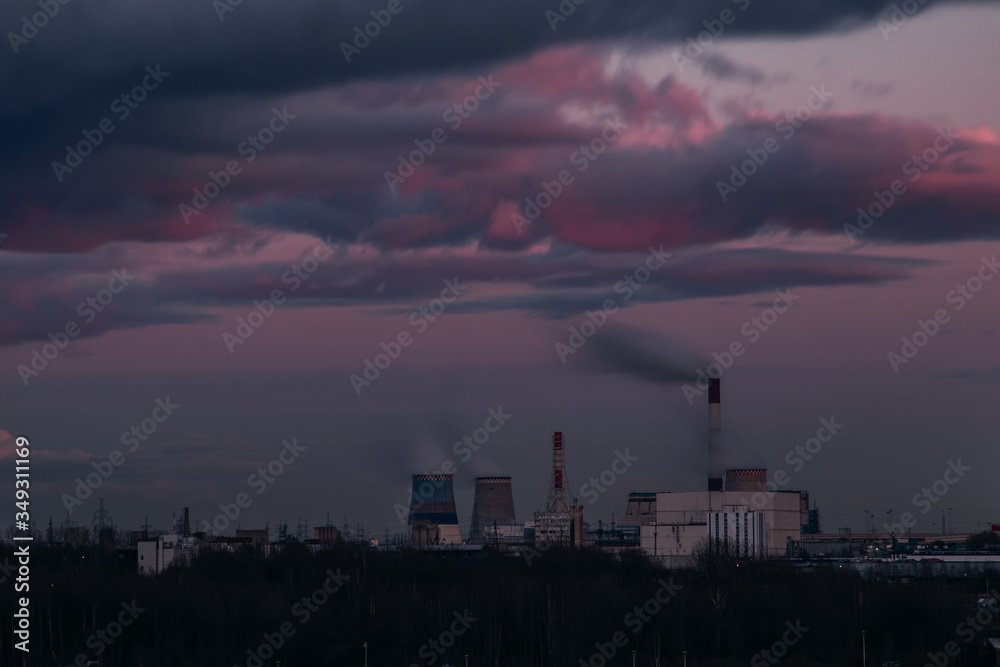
(714, 433)
(558, 498)
(187, 524)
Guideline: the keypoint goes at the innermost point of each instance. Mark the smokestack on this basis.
(714, 433)
(187, 524)
(493, 506)
(557, 492)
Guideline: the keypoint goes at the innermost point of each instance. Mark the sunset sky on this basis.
(391, 198)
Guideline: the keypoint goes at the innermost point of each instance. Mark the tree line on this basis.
(563, 608)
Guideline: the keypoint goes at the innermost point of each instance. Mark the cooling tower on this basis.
(493, 506)
(433, 503)
(746, 479)
(714, 434)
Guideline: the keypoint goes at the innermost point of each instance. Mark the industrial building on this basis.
(737, 509)
(681, 520)
(327, 534)
(157, 554)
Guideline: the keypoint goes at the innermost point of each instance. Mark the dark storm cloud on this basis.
(870, 88)
(277, 48)
(67, 75)
(703, 275)
(560, 285)
(325, 173)
(723, 68)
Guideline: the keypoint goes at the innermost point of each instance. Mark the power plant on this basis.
(738, 509)
(493, 516)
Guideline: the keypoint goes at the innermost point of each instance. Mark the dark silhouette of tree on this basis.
(554, 612)
(979, 541)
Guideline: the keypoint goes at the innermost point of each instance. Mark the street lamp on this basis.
(892, 551)
(366, 653)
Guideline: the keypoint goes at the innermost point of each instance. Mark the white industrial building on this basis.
(673, 524)
(159, 553)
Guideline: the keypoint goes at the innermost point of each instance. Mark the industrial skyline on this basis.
(301, 253)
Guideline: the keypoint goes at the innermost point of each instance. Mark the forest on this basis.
(559, 607)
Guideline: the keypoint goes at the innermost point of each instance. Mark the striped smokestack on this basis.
(432, 505)
(714, 434)
(558, 496)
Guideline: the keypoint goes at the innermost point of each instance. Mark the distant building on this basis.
(257, 537)
(326, 534)
(159, 553)
(762, 525)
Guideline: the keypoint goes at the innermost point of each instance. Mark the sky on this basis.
(216, 218)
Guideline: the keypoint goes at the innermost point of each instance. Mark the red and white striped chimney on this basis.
(557, 493)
